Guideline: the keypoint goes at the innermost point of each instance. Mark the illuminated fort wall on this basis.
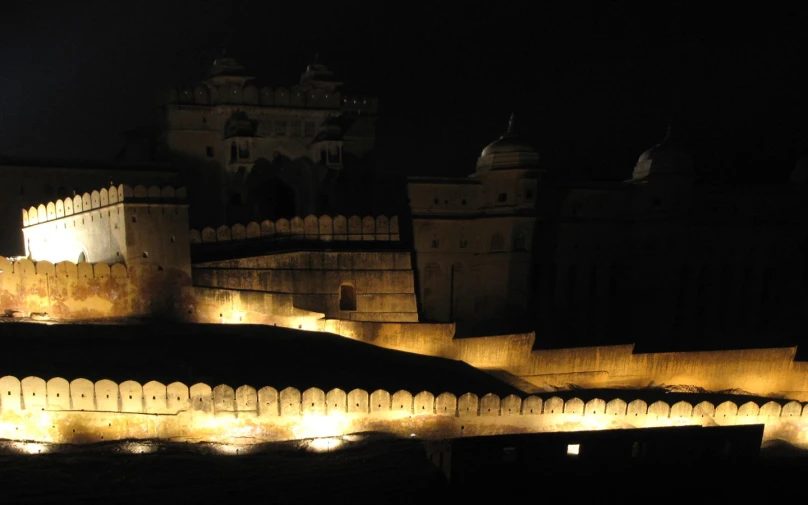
(136, 226)
(756, 371)
(81, 411)
(26, 181)
(354, 284)
(67, 290)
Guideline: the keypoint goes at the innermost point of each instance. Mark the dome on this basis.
(665, 158)
(509, 151)
(509, 142)
(226, 65)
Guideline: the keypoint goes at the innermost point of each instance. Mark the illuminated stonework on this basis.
(36, 414)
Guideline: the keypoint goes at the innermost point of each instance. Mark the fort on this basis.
(507, 270)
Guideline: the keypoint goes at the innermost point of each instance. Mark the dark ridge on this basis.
(229, 354)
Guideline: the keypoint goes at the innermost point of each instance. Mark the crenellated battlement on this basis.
(156, 398)
(62, 270)
(323, 228)
(295, 97)
(97, 199)
(81, 411)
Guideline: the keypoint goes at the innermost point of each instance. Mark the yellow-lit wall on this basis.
(81, 411)
(312, 281)
(756, 371)
(89, 291)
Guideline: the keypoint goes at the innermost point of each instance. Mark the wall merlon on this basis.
(322, 228)
(97, 199)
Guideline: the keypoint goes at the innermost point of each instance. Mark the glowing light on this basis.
(138, 448)
(30, 448)
(573, 449)
(324, 444)
(318, 426)
(232, 450)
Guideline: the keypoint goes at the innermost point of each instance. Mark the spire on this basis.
(511, 129)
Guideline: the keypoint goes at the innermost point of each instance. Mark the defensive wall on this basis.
(120, 224)
(81, 411)
(82, 291)
(762, 372)
(322, 228)
(350, 285)
(96, 199)
(67, 290)
(238, 94)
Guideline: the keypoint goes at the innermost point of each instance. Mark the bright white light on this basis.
(138, 448)
(324, 444)
(573, 449)
(232, 450)
(412, 435)
(30, 448)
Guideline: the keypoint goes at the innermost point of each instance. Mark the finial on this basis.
(511, 131)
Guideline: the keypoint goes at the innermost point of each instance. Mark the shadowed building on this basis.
(660, 257)
(251, 152)
(473, 238)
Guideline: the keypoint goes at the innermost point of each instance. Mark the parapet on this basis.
(97, 199)
(323, 228)
(63, 269)
(238, 94)
(34, 393)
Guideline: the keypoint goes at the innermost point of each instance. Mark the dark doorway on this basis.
(347, 297)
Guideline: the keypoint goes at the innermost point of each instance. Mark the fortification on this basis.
(81, 411)
(311, 228)
(765, 372)
(281, 97)
(134, 226)
(67, 290)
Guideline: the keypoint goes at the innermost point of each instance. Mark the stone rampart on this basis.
(322, 228)
(58, 410)
(66, 290)
(236, 94)
(764, 372)
(104, 197)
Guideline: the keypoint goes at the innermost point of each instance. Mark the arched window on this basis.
(347, 297)
(497, 243)
(233, 152)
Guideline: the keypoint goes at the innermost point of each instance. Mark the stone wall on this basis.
(70, 291)
(67, 290)
(351, 285)
(322, 228)
(81, 411)
(111, 225)
(762, 372)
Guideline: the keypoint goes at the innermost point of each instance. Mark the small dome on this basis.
(509, 142)
(226, 65)
(509, 151)
(665, 158)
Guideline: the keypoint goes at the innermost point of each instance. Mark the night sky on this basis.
(593, 84)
